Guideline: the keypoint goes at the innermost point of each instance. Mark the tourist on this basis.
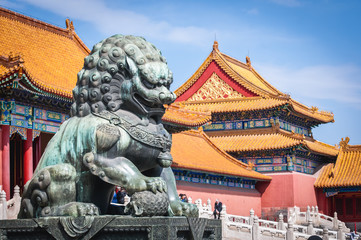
(114, 199)
(217, 209)
(120, 195)
(183, 198)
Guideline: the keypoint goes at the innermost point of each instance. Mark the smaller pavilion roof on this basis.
(256, 104)
(346, 172)
(271, 141)
(177, 114)
(193, 150)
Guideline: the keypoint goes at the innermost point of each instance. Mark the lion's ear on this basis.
(131, 66)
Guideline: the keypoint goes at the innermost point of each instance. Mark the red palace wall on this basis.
(237, 200)
(287, 190)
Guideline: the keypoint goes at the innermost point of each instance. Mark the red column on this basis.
(6, 159)
(28, 156)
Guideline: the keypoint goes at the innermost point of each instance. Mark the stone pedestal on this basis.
(111, 227)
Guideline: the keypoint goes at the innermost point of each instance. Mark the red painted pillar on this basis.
(28, 156)
(6, 159)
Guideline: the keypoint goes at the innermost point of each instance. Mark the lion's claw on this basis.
(156, 184)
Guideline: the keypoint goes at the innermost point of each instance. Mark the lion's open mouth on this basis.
(149, 107)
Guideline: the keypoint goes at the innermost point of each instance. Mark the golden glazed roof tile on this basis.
(243, 74)
(247, 72)
(3, 70)
(245, 143)
(234, 104)
(194, 150)
(52, 56)
(346, 172)
(176, 113)
(246, 76)
(270, 141)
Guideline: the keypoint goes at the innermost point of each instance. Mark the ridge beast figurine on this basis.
(114, 137)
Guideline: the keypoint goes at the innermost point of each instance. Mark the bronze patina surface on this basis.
(114, 137)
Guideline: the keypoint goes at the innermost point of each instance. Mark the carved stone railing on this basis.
(320, 220)
(250, 227)
(9, 209)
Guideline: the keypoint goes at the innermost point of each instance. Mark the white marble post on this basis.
(251, 216)
(325, 234)
(340, 233)
(281, 224)
(255, 229)
(290, 232)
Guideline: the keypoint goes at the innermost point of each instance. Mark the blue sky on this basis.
(310, 49)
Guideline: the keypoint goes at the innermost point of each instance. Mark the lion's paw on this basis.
(178, 208)
(155, 184)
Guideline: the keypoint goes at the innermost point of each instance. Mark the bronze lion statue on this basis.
(114, 137)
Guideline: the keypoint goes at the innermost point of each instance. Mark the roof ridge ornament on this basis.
(69, 25)
(11, 60)
(248, 61)
(215, 45)
(344, 143)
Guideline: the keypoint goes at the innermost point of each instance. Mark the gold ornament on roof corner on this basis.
(344, 143)
(314, 109)
(250, 165)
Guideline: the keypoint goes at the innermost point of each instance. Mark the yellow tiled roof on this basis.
(52, 56)
(3, 69)
(176, 113)
(270, 141)
(322, 148)
(234, 104)
(245, 75)
(312, 112)
(202, 155)
(254, 104)
(346, 172)
(248, 73)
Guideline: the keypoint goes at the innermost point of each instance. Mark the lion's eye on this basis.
(148, 84)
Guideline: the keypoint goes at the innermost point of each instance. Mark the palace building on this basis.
(260, 126)
(341, 182)
(236, 138)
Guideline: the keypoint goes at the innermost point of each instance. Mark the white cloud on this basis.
(340, 83)
(253, 11)
(110, 21)
(287, 3)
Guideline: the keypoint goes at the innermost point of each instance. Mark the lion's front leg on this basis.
(122, 172)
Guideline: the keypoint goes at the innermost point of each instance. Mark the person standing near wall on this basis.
(217, 209)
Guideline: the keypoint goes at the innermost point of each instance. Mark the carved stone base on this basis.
(111, 227)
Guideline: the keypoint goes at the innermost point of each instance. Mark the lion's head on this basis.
(123, 72)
